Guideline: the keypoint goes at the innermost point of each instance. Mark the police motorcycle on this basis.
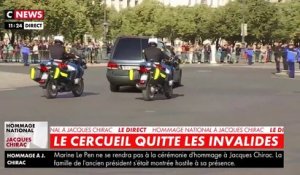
(153, 79)
(53, 76)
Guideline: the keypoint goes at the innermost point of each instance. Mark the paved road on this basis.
(210, 96)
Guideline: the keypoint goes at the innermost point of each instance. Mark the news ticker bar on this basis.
(24, 25)
(144, 159)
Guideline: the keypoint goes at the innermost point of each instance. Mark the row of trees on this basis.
(266, 21)
(73, 18)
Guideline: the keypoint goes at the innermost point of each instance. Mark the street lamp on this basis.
(105, 31)
(243, 25)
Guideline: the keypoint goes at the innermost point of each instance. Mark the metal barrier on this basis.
(95, 56)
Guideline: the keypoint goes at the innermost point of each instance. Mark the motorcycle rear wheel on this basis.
(148, 95)
(78, 88)
(49, 92)
(168, 91)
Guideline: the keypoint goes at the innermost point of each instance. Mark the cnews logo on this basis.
(24, 14)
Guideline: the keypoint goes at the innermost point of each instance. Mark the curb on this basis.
(285, 75)
(21, 64)
(104, 64)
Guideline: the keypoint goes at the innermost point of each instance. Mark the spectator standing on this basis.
(250, 54)
(109, 48)
(207, 51)
(17, 51)
(298, 54)
(191, 54)
(229, 54)
(184, 52)
(284, 56)
(277, 49)
(238, 52)
(35, 52)
(97, 52)
(1, 50)
(43, 50)
(177, 49)
(10, 52)
(263, 55)
(25, 54)
(291, 56)
(224, 53)
(198, 53)
(90, 48)
(5, 52)
(257, 53)
(269, 53)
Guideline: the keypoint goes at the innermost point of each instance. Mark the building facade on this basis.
(122, 4)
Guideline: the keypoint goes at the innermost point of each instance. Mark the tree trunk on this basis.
(2, 36)
(30, 37)
(73, 38)
(81, 39)
(217, 44)
(12, 37)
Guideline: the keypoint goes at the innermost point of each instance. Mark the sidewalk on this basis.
(284, 73)
(21, 64)
(239, 65)
(13, 81)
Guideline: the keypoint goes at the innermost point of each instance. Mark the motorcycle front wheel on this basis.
(148, 93)
(78, 88)
(51, 90)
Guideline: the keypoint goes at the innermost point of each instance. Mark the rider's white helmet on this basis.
(59, 38)
(153, 40)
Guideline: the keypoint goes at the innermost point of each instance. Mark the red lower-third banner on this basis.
(167, 141)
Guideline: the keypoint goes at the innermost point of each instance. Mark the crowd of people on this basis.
(234, 53)
(226, 53)
(35, 51)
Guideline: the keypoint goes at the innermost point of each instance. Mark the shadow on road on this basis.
(129, 89)
(70, 95)
(177, 86)
(162, 97)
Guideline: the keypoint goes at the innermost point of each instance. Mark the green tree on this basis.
(2, 33)
(186, 26)
(115, 20)
(95, 15)
(166, 21)
(146, 14)
(203, 21)
(226, 22)
(289, 21)
(139, 20)
(66, 17)
(262, 19)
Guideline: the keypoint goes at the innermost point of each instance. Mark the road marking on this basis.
(203, 71)
(149, 111)
(7, 89)
(15, 80)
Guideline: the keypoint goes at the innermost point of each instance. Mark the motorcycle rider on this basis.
(58, 52)
(152, 53)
